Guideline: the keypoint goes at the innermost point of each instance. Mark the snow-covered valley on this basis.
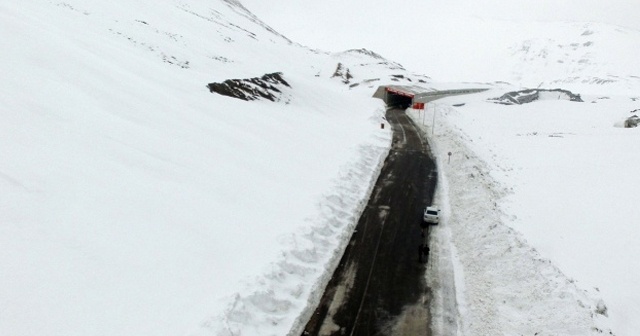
(135, 201)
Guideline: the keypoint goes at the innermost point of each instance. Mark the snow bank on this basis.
(288, 293)
(136, 202)
(514, 239)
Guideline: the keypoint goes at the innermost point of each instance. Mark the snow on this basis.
(135, 202)
(470, 41)
(541, 199)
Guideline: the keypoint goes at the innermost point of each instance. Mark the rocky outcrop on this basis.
(632, 122)
(268, 87)
(342, 72)
(531, 95)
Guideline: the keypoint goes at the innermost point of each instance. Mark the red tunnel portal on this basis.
(401, 93)
(399, 98)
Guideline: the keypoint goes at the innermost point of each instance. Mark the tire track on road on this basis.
(378, 287)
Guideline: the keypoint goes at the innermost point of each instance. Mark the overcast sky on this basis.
(315, 23)
(403, 29)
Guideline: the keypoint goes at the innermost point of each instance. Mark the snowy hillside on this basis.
(588, 57)
(540, 225)
(134, 201)
(539, 198)
(572, 55)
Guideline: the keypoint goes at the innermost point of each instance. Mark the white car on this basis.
(431, 215)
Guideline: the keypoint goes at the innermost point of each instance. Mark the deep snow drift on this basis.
(540, 222)
(136, 202)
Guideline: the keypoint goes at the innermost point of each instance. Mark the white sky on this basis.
(396, 29)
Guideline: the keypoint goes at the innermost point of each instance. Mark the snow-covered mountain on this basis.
(531, 54)
(525, 42)
(134, 200)
(571, 54)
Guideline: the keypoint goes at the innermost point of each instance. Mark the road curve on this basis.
(378, 287)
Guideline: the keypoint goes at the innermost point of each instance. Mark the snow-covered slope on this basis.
(587, 57)
(133, 201)
(540, 227)
(572, 55)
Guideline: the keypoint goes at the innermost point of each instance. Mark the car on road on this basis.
(431, 215)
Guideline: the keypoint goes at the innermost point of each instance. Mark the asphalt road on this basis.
(379, 287)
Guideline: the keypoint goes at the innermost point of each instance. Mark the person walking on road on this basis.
(423, 251)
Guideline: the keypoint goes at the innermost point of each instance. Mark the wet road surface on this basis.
(379, 287)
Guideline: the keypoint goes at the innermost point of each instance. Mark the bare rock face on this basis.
(268, 87)
(342, 72)
(632, 122)
(531, 95)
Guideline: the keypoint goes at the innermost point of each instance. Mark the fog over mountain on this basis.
(449, 40)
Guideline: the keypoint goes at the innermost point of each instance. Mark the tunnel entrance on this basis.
(395, 96)
(403, 96)
(397, 100)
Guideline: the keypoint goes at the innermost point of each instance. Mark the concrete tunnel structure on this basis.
(405, 96)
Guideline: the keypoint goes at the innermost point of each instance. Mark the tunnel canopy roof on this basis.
(420, 94)
(402, 90)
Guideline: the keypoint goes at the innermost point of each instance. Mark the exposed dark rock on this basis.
(602, 309)
(632, 122)
(342, 72)
(531, 95)
(265, 87)
(366, 52)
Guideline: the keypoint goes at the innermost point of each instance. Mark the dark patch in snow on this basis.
(531, 95)
(366, 52)
(381, 60)
(173, 60)
(586, 80)
(265, 87)
(68, 6)
(367, 82)
(221, 59)
(342, 72)
(632, 121)
(602, 309)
